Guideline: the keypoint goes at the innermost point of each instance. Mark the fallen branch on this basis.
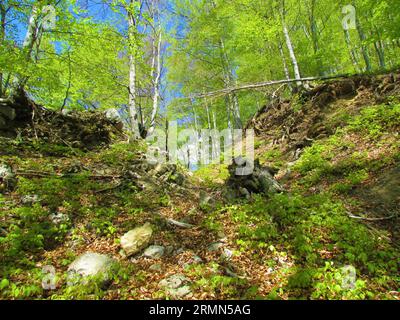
(370, 219)
(230, 90)
(180, 224)
(175, 223)
(61, 175)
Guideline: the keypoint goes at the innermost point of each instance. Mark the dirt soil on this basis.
(282, 124)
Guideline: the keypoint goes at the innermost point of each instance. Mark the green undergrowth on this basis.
(318, 238)
(69, 186)
(309, 229)
(345, 159)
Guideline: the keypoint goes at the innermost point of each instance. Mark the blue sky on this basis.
(100, 12)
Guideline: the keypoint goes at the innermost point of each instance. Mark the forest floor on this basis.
(336, 151)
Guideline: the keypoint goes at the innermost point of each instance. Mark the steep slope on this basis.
(336, 150)
(337, 154)
(341, 136)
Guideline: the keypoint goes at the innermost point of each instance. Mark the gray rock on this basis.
(159, 170)
(137, 239)
(248, 177)
(112, 114)
(205, 199)
(67, 112)
(154, 252)
(30, 199)
(177, 178)
(8, 112)
(58, 218)
(177, 285)
(180, 292)
(5, 172)
(244, 192)
(7, 176)
(90, 264)
(215, 246)
(156, 267)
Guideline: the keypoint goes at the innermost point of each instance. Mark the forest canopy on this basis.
(148, 59)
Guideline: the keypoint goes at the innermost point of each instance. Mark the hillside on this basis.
(336, 154)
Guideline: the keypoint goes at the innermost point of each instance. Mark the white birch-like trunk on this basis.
(229, 81)
(292, 55)
(133, 115)
(364, 48)
(31, 36)
(353, 55)
(285, 67)
(156, 81)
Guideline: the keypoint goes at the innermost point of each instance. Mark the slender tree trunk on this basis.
(313, 25)
(380, 49)
(314, 36)
(381, 56)
(229, 81)
(289, 45)
(214, 120)
(198, 132)
(166, 138)
(353, 55)
(228, 111)
(156, 82)
(208, 115)
(285, 66)
(31, 37)
(364, 48)
(32, 33)
(133, 115)
(236, 112)
(3, 13)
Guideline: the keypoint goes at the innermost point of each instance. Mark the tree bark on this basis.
(232, 101)
(314, 36)
(380, 53)
(364, 48)
(133, 115)
(156, 83)
(30, 39)
(285, 67)
(353, 55)
(289, 45)
(3, 13)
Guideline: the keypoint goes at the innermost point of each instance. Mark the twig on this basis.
(226, 91)
(69, 82)
(370, 219)
(176, 223)
(180, 224)
(230, 90)
(61, 175)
